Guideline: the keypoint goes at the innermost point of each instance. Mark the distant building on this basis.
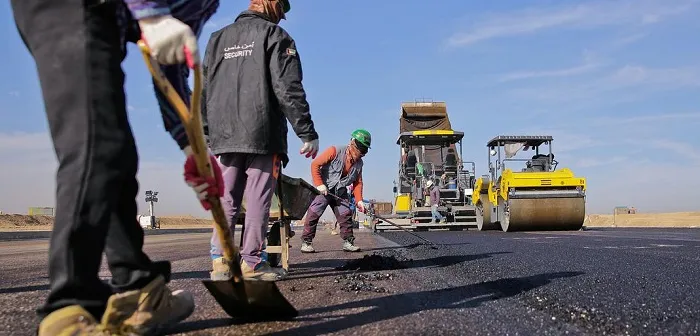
(41, 211)
(625, 210)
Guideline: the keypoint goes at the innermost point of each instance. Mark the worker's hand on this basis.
(361, 206)
(169, 39)
(310, 148)
(203, 187)
(323, 189)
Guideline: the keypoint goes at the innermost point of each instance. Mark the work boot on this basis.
(221, 270)
(148, 310)
(349, 246)
(71, 321)
(263, 271)
(306, 247)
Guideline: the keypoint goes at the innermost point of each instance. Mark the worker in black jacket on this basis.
(252, 86)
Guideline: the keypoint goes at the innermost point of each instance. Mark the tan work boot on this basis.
(148, 310)
(71, 321)
(263, 271)
(221, 270)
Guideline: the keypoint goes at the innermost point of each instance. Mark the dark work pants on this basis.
(316, 209)
(253, 177)
(78, 56)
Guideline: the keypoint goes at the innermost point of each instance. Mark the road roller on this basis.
(528, 193)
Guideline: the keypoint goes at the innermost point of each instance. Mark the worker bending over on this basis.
(252, 85)
(335, 169)
(78, 47)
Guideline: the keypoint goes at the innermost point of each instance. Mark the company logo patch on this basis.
(291, 52)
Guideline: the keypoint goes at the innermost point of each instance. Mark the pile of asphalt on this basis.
(381, 261)
(368, 270)
(363, 282)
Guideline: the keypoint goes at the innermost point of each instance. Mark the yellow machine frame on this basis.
(547, 198)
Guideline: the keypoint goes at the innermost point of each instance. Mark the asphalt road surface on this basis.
(596, 282)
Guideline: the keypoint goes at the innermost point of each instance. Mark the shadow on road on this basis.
(321, 267)
(190, 275)
(385, 308)
(24, 289)
(393, 306)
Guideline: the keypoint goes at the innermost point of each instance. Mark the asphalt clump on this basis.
(376, 262)
(363, 282)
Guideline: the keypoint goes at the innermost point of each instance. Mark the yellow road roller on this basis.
(528, 193)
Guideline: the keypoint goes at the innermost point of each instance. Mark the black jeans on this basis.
(78, 54)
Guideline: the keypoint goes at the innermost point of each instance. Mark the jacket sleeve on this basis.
(141, 9)
(286, 75)
(205, 86)
(326, 157)
(357, 188)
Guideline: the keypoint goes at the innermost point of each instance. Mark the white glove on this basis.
(361, 206)
(323, 189)
(310, 149)
(167, 37)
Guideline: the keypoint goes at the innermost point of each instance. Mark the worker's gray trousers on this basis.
(256, 175)
(78, 55)
(318, 207)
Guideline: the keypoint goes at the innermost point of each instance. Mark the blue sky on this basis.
(615, 82)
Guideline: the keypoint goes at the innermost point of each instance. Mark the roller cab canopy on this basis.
(525, 140)
(430, 137)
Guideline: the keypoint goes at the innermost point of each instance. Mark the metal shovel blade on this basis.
(264, 301)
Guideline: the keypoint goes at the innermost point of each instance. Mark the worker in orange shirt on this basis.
(333, 171)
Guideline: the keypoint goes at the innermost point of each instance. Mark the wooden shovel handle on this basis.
(192, 122)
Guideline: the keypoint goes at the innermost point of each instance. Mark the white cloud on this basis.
(590, 63)
(648, 185)
(629, 83)
(629, 39)
(29, 168)
(589, 162)
(684, 150)
(14, 93)
(661, 117)
(581, 16)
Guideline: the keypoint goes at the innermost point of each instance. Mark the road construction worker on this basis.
(434, 191)
(78, 47)
(335, 169)
(247, 126)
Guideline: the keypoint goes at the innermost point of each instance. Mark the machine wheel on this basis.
(544, 214)
(486, 208)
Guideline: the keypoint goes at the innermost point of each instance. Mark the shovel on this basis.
(240, 298)
(432, 245)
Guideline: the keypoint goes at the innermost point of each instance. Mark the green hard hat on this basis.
(363, 137)
(285, 5)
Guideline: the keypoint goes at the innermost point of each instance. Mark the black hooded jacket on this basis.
(252, 85)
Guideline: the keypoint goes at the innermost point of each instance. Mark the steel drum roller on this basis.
(545, 214)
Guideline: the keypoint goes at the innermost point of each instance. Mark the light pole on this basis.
(151, 197)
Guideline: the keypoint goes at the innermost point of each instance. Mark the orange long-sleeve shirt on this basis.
(325, 158)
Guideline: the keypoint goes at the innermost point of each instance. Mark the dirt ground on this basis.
(14, 222)
(671, 219)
